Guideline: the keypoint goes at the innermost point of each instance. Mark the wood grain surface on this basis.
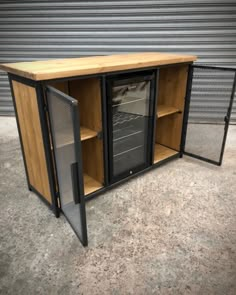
(31, 133)
(61, 68)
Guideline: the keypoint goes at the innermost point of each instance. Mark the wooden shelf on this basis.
(162, 153)
(66, 137)
(86, 133)
(164, 110)
(90, 184)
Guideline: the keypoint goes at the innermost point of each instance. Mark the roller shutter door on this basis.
(36, 30)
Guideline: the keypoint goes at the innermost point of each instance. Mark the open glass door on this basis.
(207, 112)
(64, 120)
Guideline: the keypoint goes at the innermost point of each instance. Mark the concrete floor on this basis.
(170, 231)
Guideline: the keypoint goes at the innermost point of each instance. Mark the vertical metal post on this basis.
(227, 119)
(109, 126)
(154, 121)
(78, 155)
(186, 109)
(104, 128)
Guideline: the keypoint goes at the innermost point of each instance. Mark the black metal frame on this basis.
(214, 68)
(104, 130)
(186, 110)
(78, 156)
(140, 76)
(186, 113)
(44, 130)
(154, 120)
(227, 119)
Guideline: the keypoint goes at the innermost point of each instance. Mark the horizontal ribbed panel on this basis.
(37, 30)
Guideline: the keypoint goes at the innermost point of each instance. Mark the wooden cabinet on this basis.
(88, 124)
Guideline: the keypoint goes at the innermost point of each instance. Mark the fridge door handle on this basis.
(75, 186)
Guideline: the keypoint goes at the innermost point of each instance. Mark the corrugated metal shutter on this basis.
(34, 30)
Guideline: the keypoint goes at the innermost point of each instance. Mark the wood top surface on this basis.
(62, 68)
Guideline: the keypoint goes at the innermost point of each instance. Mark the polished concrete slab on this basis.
(169, 231)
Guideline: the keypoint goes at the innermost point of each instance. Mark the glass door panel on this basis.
(63, 113)
(208, 110)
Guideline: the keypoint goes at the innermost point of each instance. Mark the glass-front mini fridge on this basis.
(130, 115)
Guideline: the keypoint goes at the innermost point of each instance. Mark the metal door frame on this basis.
(78, 157)
(186, 112)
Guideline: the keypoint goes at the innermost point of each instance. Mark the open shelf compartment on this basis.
(87, 92)
(170, 108)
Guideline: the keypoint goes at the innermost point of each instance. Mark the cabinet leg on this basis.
(56, 212)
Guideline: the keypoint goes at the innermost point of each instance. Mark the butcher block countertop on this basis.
(70, 67)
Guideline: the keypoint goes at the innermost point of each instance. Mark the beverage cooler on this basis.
(130, 101)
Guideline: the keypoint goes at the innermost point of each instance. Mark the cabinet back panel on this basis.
(168, 131)
(32, 140)
(171, 92)
(88, 94)
(172, 86)
(62, 86)
(92, 154)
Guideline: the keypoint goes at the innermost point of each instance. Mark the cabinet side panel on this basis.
(32, 139)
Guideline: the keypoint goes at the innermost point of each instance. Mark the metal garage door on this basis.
(34, 30)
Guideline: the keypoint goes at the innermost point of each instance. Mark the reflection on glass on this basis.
(64, 149)
(130, 117)
(208, 107)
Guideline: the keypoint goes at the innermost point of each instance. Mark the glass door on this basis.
(64, 121)
(207, 112)
(130, 115)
